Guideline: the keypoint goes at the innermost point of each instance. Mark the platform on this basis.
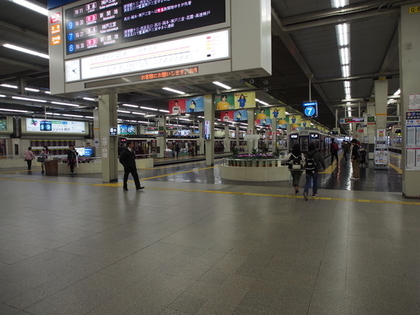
(192, 243)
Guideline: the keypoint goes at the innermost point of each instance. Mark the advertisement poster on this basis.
(262, 117)
(241, 115)
(236, 115)
(412, 140)
(177, 106)
(207, 131)
(195, 105)
(62, 126)
(244, 100)
(226, 116)
(224, 102)
(295, 121)
(277, 113)
(3, 124)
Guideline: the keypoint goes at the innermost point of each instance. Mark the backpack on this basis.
(310, 165)
(295, 162)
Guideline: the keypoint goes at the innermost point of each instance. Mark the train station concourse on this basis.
(194, 243)
(209, 101)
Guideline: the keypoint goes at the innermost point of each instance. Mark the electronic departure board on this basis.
(104, 23)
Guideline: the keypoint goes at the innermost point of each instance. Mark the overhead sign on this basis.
(352, 120)
(310, 109)
(97, 24)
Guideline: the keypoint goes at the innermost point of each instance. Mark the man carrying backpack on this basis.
(296, 161)
(313, 161)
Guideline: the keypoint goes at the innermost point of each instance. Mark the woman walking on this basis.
(296, 161)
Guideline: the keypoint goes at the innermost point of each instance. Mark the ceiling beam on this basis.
(23, 32)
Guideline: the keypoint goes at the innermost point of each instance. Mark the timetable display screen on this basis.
(102, 23)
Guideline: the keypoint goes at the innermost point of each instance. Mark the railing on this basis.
(253, 162)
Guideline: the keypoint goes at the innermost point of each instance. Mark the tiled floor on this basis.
(191, 243)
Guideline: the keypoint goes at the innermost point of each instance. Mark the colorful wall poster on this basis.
(263, 122)
(277, 112)
(241, 115)
(306, 123)
(3, 124)
(244, 100)
(226, 116)
(294, 120)
(262, 113)
(224, 102)
(195, 105)
(177, 106)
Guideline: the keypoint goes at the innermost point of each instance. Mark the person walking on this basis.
(72, 159)
(354, 157)
(296, 161)
(346, 149)
(128, 160)
(43, 157)
(334, 151)
(28, 156)
(177, 149)
(314, 161)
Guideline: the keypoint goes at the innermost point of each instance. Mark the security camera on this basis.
(252, 81)
(265, 82)
(265, 89)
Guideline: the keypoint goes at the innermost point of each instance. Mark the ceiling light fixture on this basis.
(123, 111)
(89, 99)
(227, 87)
(31, 89)
(129, 105)
(164, 110)
(173, 90)
(397, 92)
(2, 95)
(65, 104)
(137, 113)
(14, 110)
(28, 99)
(71, 115)
(26, 51)
(149, 108)
(32, 6)
(9, 86)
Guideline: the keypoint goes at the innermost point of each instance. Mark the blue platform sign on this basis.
(52, 4)
(310, 109)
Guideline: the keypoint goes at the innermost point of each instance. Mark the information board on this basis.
(60, 126)
(103, 23)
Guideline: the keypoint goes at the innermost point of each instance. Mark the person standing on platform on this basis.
(313, 162)
(72, 159)
(44, 155)
(28, 156)
(177, 149)
(128, 160)
(334, 151)
(355, 157)
(346, 149)
(296, 161)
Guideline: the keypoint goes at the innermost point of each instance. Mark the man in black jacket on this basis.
(128, 160)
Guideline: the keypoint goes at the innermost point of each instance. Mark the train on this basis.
(321, 140)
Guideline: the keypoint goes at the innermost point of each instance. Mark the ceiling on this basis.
(304, 47)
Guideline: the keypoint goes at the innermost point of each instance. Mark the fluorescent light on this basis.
(137, 113)
(65, 104)
(173, 90)
(339, 3)
(70, 115)
(2, 95)
(89, 99)
(164, 110)
(143, 122)
(227, 87)
(184, 119)
(28, 99)
(397, 92)
(26, 51)
(47, 92)
(90, 117)
(31, 89)
(345, 56)
(129, 105)
(123, 111)
(14, 110)
(345, 70)
(264, 103)
(32, 6)
(343, 34)
(9, 86)
(148, 108)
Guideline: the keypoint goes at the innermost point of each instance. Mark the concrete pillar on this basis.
(200, 141)
(252, 144)
(409, 45)
(226, 141)
(107, 109)
(209, 119)
(381, 103)
(371, 129)
(161, 139)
